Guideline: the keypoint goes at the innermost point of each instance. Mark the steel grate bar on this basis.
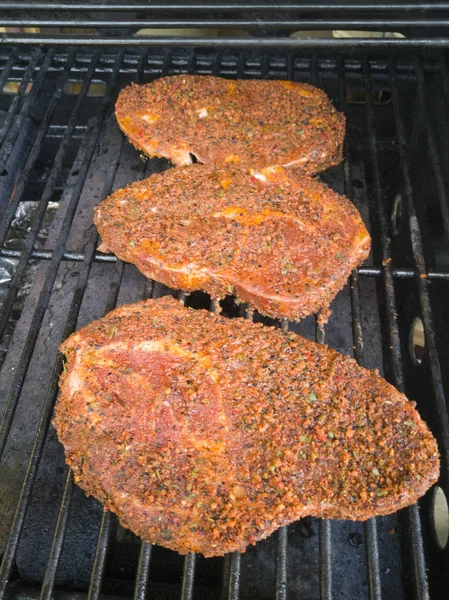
(365, 271)
(188, 577)
(417, 551)
(282, 538)
(234, 576)
(18, 96)
(433, 150)
(100, 556)
(44, 423)
(325, 539)
(104, 535)
(22, 367)
(272, 43)
(35, 151)
(11, 137)
(370, 527)
(143, 571)
(445, 75)
(281, 563)
(41, 307)
(6, 70)
(228, 23)
(417, 247)
(64, 509)
(35, 227)
(227, 6)
(325, 528)
(58, 539)
(232, 560)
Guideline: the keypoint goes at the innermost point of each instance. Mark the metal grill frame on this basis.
(267, 24)
(40, 62)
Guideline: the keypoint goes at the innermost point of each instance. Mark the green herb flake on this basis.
(375, 472)
(339, 255)
(230, 289)
(312, 397)
(331, 434)
(409, 423)
(305, 438)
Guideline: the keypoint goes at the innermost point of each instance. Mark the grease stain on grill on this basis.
(355, 539)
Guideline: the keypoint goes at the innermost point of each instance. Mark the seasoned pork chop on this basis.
(206, 434)
(253, 122)
(283, 242)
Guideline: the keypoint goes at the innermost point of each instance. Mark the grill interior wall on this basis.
(397, 143)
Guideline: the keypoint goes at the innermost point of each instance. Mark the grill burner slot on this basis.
(52, 534)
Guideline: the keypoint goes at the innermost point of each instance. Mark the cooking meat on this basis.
(206, 434)
(253, 122)
(279, 240)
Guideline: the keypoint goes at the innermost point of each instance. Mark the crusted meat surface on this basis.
(253, 122)
(206, 434)
(281, 241)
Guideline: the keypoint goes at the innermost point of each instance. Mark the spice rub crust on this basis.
(254, 122)
(277, 239)
(206, 434)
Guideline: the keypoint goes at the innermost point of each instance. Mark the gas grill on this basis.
(62, 152)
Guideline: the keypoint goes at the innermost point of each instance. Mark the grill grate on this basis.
(128, 22)
(394, 148)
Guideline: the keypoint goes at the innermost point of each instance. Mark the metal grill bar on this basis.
(309, 7)
(104, 535)
(325, 528)
(433, 151)
(22, 367)
(374, 45)
(44, 423)
(418, 255)
(6, 71)
(27, 103)
(419, 573)
(399, 273)
(232, 586)
(20, 186)
(48, 191)
(100, 557)
(281, 564)
(234, 576)
(65, 505)
(17, 100)
(58, 539)
(278, 24)
(188, 577)
(371, 544)
(143, 570)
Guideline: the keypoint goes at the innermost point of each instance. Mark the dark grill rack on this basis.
(397, 132)
(252, 24)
